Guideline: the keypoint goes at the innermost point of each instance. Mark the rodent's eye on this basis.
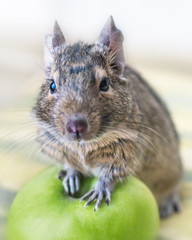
(104, 84)
(52, 87)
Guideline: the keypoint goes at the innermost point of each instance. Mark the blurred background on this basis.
(158, 43)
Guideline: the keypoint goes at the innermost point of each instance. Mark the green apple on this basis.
(42, 211)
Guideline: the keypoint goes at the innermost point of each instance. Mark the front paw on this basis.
(102, 189)
(70, 180)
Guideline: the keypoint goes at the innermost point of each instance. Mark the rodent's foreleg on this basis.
(102, 189)
(70, 180)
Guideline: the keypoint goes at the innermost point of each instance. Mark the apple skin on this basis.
(42, 211)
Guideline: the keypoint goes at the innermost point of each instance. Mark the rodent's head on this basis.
(83, 95)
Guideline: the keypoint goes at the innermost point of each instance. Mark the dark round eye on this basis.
(53, 87)
(104, 84)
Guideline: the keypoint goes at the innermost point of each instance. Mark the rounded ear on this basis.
(52, 41)
(112, 37)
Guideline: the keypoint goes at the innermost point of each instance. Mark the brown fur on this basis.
(129, 127)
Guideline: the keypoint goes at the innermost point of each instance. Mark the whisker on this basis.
(23, 138)
(146, 127)
(23, 148)
(133, 131)
(14, 131)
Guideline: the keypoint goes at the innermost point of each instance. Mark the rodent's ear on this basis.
(52, 41)
(57, 37)
(112, 37)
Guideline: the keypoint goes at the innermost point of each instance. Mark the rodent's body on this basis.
(126, 129)
(161, 167)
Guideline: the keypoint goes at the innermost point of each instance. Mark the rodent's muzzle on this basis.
(77, 128)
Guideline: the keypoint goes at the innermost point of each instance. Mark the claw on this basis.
(107, 197)
(61, 174)
(71, 181)
(99, 200)
(65, 184)
(91, 199)
(77, 183)
(71, 185)
(99, 191)
(107, 200)
(86, 195)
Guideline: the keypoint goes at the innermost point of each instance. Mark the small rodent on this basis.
(98, 116)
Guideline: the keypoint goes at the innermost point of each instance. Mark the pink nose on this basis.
(77, 127)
